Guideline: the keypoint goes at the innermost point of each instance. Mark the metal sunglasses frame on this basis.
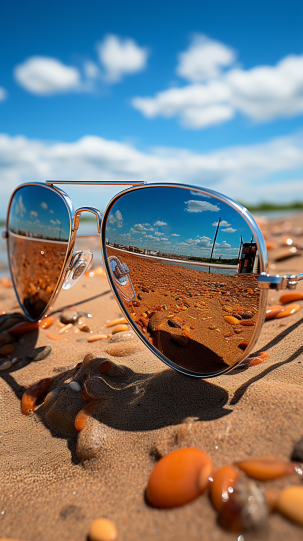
(265, 280)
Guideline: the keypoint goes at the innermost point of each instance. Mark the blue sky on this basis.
(176, 221)
(209, 93)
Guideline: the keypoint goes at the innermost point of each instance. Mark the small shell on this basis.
(66, 328)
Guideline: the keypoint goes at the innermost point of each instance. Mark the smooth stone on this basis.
(297, 453)
(290, 503)
(175, 322)
(5, 365)
(102, 530)
(124, 336)
(75, 386)
(222, 486)
(123, 349)
(69, 316)
(38, 354)
(51, 397)
(267, 468)
(247, 314)
(246, 508)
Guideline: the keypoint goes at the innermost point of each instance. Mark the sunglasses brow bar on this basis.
(98, 182)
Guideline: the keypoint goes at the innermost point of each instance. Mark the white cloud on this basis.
(46, 76)
(223, 246)
(121, 57)
(262, 93)
(229, 230)
(247, 173)
(204, 59)
(43, 205)
(200, 206)
(175, 235)
(141, 227)
(163, 239)
(158, 234)
(3, 93)
(33, 214)
(158, 223)
(91, 70)
(223, 223)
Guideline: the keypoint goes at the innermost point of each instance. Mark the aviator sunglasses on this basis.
(187, 265)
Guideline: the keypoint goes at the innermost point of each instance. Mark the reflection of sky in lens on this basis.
(176, 221)
(38, 212)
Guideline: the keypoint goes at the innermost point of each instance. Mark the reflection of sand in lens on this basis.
(199, 339)
(36, 266)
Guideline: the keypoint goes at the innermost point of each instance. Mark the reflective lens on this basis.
(185, 266)
(39, 230)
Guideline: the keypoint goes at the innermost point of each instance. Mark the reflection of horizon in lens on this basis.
(178, 224)
(39, 213)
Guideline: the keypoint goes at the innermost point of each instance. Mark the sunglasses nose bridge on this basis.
(92, 210)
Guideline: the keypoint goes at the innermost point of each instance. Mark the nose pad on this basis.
(79, 264)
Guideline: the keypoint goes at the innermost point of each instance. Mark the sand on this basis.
(47, 492)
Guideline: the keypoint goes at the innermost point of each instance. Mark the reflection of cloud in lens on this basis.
(158, 223)
(116, 217)
(199, 194)
(20, 208)
(200, 206)
(223, 223)
(43, 205)
(53, 222)
(51, 211)
(175, 235)
(158, 234)
(229, 230)
(33, 214)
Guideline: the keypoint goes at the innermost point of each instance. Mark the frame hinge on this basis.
(271, 281)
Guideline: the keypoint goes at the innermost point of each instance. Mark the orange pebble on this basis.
(227, 308)
(31, 396)
(7, 349)
(83, 415)
(266, 468)
(120, 328)
(95, 337)
(291, 297)
(272, 311)
(47, 322)
(243, 345)
(224, 480)
(24, 327)
(232, 320)
(116, 322)
(6, 282)
(56, 337)
(287, 311)
(102, 530)
(247, 322)
(179, 478)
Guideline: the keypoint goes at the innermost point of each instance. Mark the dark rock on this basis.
(297, 453)
(156, 320)
(180, 340)
(9, 320)
(173, 322)
(247, 314)
(5, 338)
(38, 354)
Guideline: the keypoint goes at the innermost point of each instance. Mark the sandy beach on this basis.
(55, 481)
